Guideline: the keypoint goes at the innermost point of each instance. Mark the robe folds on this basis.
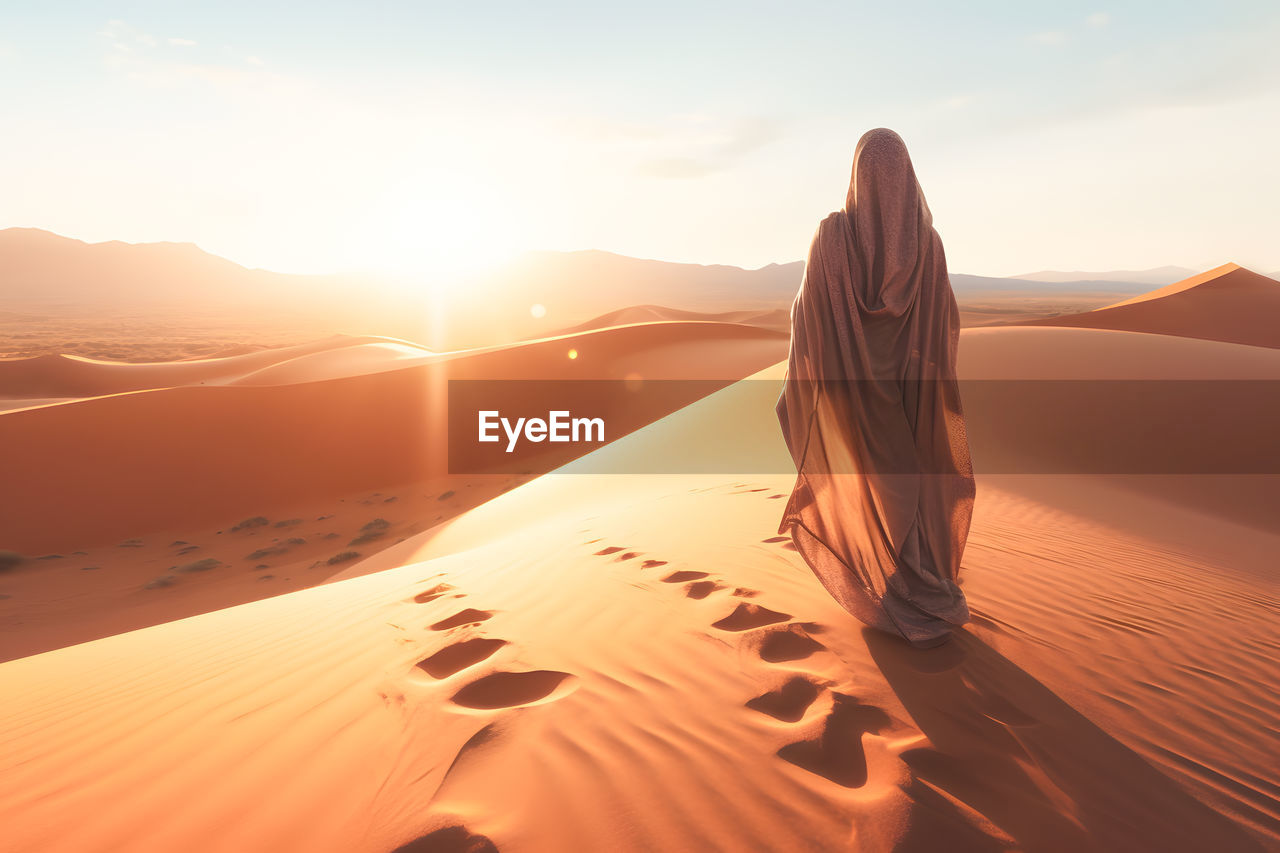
(871, 409)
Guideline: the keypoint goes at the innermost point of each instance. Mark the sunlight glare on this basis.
(440, 237)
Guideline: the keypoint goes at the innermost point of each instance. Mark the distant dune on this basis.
(1228, 303)
(74, 376)
(777, 319)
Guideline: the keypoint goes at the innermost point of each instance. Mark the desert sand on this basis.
(636, 662)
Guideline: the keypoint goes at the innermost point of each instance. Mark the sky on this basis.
(432, 138)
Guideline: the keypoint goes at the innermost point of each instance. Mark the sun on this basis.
(439, 237)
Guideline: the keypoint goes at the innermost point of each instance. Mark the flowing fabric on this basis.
(871, 409)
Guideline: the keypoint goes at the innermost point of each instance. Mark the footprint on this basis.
(747, 616)
(746, 592)
(462, 617)
(789, 702)
(701, 589)
(788, 644)
(836, 753)
(771, 540)
(774, 497)
(681, 577)
(459, 656)
(604, 552)
(509, 689)
(432, 594)
(652, 564)
(630, 555)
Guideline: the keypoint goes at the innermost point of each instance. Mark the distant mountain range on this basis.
(1154, 277)
(537, 294)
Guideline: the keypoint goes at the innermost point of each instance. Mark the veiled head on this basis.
(891, 222)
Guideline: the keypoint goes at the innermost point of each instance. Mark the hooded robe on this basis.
(871, 408)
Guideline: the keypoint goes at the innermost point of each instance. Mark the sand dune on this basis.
(360, 359)
(579, 664)
(1227, 303)
(778, 319)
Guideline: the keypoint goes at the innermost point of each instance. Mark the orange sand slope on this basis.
(1228, 303)
(637, 663)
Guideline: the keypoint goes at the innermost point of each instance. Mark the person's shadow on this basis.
(1004, 745)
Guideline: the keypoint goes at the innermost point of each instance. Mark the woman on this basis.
(871, 409)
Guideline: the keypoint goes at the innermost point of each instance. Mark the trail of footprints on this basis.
(834, 748)
(501, 689)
